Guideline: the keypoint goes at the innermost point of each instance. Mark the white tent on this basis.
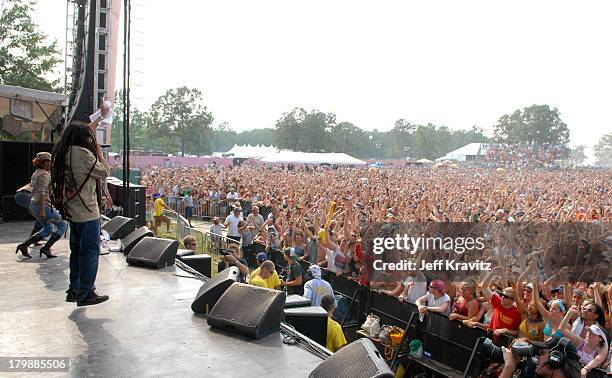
(424, 161)
(312, 158)
(250, 152)
(465, 153)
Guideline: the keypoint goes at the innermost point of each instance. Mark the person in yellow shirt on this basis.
(158, 213)
(264, 278)
(272, 281)
(335, 336)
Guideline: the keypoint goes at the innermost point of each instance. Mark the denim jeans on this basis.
(84, 255)
(23, 199)
(53, 223)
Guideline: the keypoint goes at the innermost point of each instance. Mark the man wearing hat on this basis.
(558, 358)
(293, 282)
(317, 287)
(231, 222)
(272, 281)
(436, 300)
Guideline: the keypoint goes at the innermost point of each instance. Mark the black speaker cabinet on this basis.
(201, 263)
(358, 359)
(135, 207)
(295, 300)
(153, 253)
(212, 290)
(310, 321)
(183, 252)
(248, 310)
(11, 211)
(16, 167)
(119, 227)
(128, 242)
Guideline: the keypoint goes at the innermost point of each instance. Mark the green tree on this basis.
(27, 58)
(537, 124)
(347, 138)
(300, 130)
(178, 120)
(256, 137)
(223, 137)
(577, 155)
(603, 151)
(401, 137)
(138, 131)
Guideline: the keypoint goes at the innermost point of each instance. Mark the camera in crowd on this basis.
(561, 354)
(224, 252)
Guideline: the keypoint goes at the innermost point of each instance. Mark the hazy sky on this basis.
(453, 63)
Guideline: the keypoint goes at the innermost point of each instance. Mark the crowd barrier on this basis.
(452, 346)
(209, 208)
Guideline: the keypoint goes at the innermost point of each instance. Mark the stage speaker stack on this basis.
(136, 206)
(212, 290)
(295, 300)
(248, 310)
(119, 227)
(153, 253)
(358, 359)
(310, 321)
(201, 263)
(128, 242)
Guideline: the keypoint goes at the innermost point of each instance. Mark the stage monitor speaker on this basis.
(212, 290)
(153, 253)
(183, 252)
(128, 242)
(295, 300)
(119, 227)
(201, 263)
(310, 321)
(248, 310)
(357, 359)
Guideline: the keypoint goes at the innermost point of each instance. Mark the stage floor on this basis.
(146, 328)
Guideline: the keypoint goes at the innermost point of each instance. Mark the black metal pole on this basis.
(126, 109)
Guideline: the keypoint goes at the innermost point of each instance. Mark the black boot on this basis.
(46, 249)
(23, 247)
(37, 227)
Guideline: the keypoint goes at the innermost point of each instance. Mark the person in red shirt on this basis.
(506, 317)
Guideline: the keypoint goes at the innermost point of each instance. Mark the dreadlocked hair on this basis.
(73, 135)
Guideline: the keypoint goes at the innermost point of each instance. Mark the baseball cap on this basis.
(437, 284)
(562, 344)
(558, 289)
(580, 292)
(261, 257)
(43, 156)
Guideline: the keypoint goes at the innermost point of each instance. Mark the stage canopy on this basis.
(24, 109)
(466, 153)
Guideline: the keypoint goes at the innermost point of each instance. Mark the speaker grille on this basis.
(132, 239)
(153, 252)
(358, 359)
(248, 310)
(245, 305)
(210, 292)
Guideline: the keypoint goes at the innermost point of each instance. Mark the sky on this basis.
(452, 63)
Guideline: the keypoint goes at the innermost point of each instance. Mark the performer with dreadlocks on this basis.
(78, 165)
(40, 206)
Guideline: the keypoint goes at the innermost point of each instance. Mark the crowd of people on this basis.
(516, 155)
(321, 215)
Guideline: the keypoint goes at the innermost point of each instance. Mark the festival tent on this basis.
(425, 161)
(468, 152)
(249, 152)
(296, 157)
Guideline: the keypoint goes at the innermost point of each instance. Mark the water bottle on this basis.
(421, 317)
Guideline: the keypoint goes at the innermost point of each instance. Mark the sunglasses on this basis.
(506, 296)
(585, 309)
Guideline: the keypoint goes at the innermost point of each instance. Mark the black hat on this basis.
(562, 344)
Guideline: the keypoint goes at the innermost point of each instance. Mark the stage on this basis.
(146, 328)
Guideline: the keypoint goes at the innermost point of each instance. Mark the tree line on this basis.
(179, 122)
